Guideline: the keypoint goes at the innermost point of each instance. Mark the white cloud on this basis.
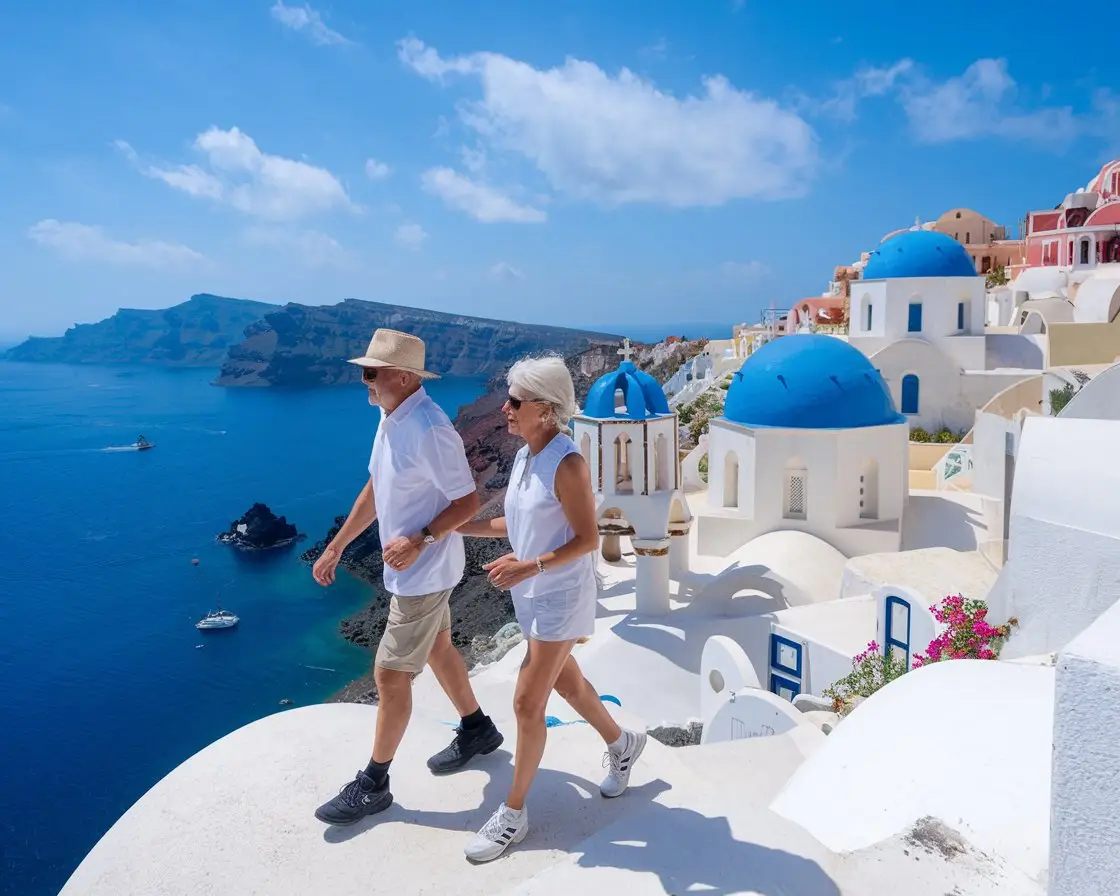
(745, 271)
(238, 174)
(474, 160)
(376, 170)
(979, 102)
(619, 139)
(306, 20)
(504, 271)
(410, 236)
(868, 81)
(311, 247)
(481, 202)
(81, 242)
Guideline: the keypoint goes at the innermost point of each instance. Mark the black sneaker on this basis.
(356, 800)
(468, 743)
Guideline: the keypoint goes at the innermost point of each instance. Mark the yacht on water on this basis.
(142, 444)
(218, 618)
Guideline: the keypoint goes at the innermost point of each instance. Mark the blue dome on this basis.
(919, 253)
(641, 393)
(809, 382)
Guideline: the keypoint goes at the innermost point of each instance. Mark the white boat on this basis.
(142, 444)
(218, 618)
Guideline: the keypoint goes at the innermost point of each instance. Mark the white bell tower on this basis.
(629, 438)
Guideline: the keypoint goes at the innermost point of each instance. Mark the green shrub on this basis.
(917, 434)
(1059, 398)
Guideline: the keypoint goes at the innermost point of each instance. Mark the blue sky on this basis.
(571, 162)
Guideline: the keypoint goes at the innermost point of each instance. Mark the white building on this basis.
(629, 438)
(919, 313)
(809, 440)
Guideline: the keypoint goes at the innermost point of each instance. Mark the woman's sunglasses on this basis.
(516, 403)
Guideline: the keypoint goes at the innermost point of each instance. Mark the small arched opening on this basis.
(869, 490)
(661, 463)
(731, 479)
(623, 476)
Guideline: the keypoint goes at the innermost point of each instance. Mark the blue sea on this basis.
(105, 685)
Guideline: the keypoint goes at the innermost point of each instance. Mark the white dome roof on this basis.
(1040, 280)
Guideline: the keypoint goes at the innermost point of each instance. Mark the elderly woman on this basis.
(550, 522)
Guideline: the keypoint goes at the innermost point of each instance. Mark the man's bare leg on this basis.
(451, 673)
(394, 709)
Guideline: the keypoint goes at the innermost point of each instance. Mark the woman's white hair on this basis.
(546, 378)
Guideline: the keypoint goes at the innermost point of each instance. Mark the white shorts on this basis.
(559, 616)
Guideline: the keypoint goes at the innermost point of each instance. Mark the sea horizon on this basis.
(109, 689)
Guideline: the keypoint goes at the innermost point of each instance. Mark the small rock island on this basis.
(260, 530)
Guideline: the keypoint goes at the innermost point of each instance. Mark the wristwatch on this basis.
(429, 538)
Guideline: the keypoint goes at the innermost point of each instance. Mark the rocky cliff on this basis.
(196, 333)
(301, 345)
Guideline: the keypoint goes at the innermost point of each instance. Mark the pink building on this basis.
(1082, 232)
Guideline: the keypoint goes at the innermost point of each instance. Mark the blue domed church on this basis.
(918, 312)
(810, 439)
(629, 437)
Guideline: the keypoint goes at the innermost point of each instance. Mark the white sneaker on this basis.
(621, 763)
(505, 826)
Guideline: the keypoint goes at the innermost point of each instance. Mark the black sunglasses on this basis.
(516, 403)
(369, 374)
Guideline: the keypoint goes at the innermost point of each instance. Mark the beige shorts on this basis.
(411, 630)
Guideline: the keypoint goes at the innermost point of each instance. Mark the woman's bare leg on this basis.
(535, 682)
(584, 699)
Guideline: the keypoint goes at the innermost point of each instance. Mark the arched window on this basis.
(869, 491)
(661, 463)
(914, 322)
(867, 309)
(910, 394)
(731, 479)
(623, 478)
(1084, 252)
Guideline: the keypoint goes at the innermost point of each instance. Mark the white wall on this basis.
(1063, 567)
(749, 713)
(834, 461)
(966, 741)
(1085, 790)
(947, 395)
(1014, 351)
(724, 669)
(939, 297)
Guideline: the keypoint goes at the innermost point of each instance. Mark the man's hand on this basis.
(400, 553)
(324, 567)
(507, 571)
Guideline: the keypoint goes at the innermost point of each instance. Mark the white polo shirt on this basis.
(418, 467)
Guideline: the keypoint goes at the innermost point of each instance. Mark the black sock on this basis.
(377, 770)
(475, 720)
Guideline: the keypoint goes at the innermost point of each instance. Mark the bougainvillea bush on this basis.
(967, 635)
(870, 671)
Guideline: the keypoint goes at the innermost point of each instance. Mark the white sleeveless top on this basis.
(537, 524)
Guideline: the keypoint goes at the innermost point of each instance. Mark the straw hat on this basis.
(401, 351)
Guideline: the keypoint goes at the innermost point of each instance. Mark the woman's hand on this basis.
(507, 571)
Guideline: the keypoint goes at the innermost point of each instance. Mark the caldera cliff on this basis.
(303, 345)
(195, 333)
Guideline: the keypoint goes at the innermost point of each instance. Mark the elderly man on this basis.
(421, 491)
